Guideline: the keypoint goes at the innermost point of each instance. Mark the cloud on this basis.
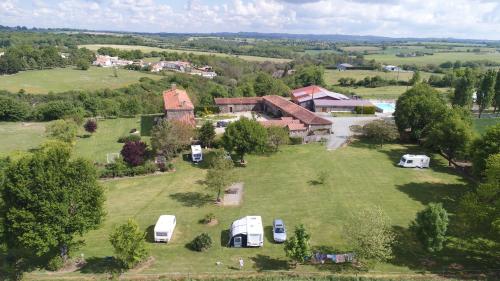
(412, 18)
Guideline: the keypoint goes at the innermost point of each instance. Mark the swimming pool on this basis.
(386, 107)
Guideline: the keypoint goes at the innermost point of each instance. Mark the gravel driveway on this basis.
(341, 131)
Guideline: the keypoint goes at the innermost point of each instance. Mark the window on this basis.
(409, 162)
(161, 233)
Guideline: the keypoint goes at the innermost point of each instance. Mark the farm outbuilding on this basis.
(178, 106)
(340, 105)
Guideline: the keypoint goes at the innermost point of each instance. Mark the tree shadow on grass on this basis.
(453, 261)
(101, 265)
(427, 192)
(224, 238)
(264, 262)
(314, 182)
(268, 233)
(192, 199)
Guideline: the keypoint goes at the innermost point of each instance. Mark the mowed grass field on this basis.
(276, 186)
(332, 76)
(480, 125)
(437, 58)
(95, 47)
(21, 136)
(66, 79)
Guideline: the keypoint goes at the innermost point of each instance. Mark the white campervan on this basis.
(247, 232)
(414, 161)
(164, 228)
(196, 153)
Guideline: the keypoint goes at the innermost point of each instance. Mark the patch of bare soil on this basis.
(144, 265)
(233, 195)
(213, 222)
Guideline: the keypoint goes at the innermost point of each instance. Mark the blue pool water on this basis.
(386, 106)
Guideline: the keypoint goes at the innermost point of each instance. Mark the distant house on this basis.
(305, 96)
(181, 66)
(344, 66)
(392, 68)
(2, 53)
(178, 106)
(107, 61)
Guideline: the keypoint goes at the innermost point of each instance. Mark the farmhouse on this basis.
(306, 96)
(344, 66)
(178, 106)
(278, 107)
(108, 61)
(294, 127)
(392, 68)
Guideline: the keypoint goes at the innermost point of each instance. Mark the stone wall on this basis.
(228, 108)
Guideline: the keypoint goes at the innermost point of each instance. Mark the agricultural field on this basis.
(365, 177)
(95, 47)
(437, 58)
(332, 76)
(66, 79)
(383, 93)
(368, 49)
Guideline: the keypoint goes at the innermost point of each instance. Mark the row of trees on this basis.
(20, 58)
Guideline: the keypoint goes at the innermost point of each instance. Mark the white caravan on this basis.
(164, 228)
(196, 154)
(247, 232)
(414, 161)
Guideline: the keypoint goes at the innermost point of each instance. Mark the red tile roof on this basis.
(307, 93)
(247, 100)
(288, 122)
(289, 108)
(177, 99)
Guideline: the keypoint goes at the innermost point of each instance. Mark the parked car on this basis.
(279, 231)
(222, 124)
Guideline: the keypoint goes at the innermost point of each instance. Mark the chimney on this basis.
(173, 86)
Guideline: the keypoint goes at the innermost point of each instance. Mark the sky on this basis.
(470, 19)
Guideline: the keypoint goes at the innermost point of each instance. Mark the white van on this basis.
(414, 161)
(164, 228)
(196, 153)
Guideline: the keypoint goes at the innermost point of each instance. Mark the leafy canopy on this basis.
(129, 244)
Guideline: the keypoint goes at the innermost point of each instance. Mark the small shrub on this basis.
(132, 137)
(170, 166)
(134, 152)
(296, 140)
(364, 110)
(201, 242)
(323, 177)
(90, 126)
(55, 263)
(208, 218)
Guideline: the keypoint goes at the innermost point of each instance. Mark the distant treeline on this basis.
(26, 57)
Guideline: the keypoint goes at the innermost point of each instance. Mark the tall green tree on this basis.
(431, 225)
(368, 232)
(417, 109)
(496, 98)
(452, 135)
(62, 130)
(464, 89)
(310, 75)
(245, 136)
(129, 243)
(483, 147)
(49, 201)
(276, 137)
(297, 247)
(381, 131)
(220, 173)
(169, 137)
(206, 134)
(416, 78)
(486, 91)
(479, 210)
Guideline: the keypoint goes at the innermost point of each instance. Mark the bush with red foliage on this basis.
(133, 152)
(90, 126)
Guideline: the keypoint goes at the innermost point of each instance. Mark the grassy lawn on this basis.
(437, 58)
(20, 136)
(332, 76)
(278, 185)
(94, 47)
(480, 125)
(104, 140)
(65, 79)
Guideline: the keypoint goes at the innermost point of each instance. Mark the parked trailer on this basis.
(196, 153)
(247, 232)
(414, 161)
(164, 228)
